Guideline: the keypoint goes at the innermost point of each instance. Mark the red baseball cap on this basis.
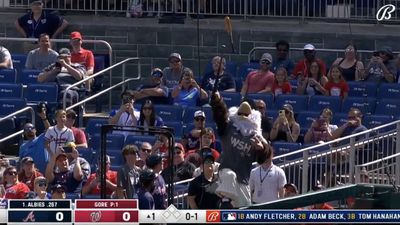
(76, 35)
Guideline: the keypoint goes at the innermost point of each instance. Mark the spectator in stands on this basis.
(175, 70)
(5, 59)
(81, 56)
(40, 186)
(285, 127)
(327, 115)
(266, 123)
(145, 151)
(266, 180)
(161, 145)
(157, 92)
(57, 136)
(303, 66)
(79, 135)
(352, 126)
(201, 193)
(92, 185)
(126, 114)
(14, 188)
(84, 164)
(281, 84)
(207, 141)
(282, 57)
(42, 57)
(34, 147)
(128, 174)
(58, 192)
(352, 68)
(154, 162)
(290, 190)
(64, 73)
(148, 117)
(241, 138)
(38, 21)
(226, 81)
(145, 189)
(259, 81)
(318, 132)
(336, 85)
(314, 83)
(28, 172)
(381, 68)
(188, 92)
(58, 172)
(193, 138)
(4, 164)
(183, 170)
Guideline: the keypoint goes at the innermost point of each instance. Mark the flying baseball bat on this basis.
(228, 29)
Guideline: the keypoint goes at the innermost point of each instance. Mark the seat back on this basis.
(231, 98)
(169, 112)
(19, 61)
(389, 91)
(139, 139)
(388, 107)
(42, 92)
(299, 102)
(365, 104)
(319, 102)
(177, 126)
(285, 147)
(8, 75)
(10, 105)
(267, 98)
(93, 126)
(113, 142)
(9, 90)
(305, 118)
(246, 68)
(362, 89)
(29, 76)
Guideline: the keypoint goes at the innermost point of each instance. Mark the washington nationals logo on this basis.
(29, 218)
(95, 216)
(385, 12)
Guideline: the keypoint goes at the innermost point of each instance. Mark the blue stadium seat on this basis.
(116, 157)
(7, 127)
(371, 121)
(299, 102)
(8, 75)
(281, 148)
(267, 98)
(246, 68)
(389, 91)
(29, 76)
(99, 63)
(93, 126)
(19, 61)
(319, 102)
(239, 84)
(366, 105)
(339, 119)
(87, 153)
(305, 118)
(177, 126)
(294, 84)
(42, 93)
(189, 113)
(231, 98)
(10, 105)
(362, 89)
(169, 112)
(114, 142)
(272, 114)
(388, 107)
(230, 67)
(139, 139)
(9, 90)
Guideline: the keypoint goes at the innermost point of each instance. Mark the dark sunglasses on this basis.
(265, 62)
(242, 114)
(29, 128)
(199, 119)
(12, 173)
(146, 150)
(42, 184)
(174, 61)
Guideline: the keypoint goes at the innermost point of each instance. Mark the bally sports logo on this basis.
(213, 216)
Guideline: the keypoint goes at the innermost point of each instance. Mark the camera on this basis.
(67, 149)
(57, 64)
(42, 106)
(281, 112)
(126, 100)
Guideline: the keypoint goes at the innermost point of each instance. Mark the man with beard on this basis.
(242, 141)
(303, 66)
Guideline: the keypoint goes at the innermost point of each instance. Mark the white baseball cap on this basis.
(309, 47)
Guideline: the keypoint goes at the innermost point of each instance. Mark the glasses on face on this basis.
(265, 62)
(199, 119)
(174, 61)
(242, 114)
(12, 173)
(349, 50)
(42, 184)
(146, 150)
(29, 128)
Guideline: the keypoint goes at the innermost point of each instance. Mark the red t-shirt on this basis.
(337, 89)
(257, 81)
(30, 182)
(303, 66)
(285, 88)
(17, 191)
(83, 57)
(110, 175)
(79, 135)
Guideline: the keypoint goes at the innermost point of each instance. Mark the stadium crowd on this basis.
(221, 141)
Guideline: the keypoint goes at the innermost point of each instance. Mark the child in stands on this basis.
(281, 84)
(336, 85)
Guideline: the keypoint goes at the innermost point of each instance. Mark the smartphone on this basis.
(67, 149)
(126, 100)
(281, 112)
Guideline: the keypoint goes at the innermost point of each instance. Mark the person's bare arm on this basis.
(6, 63)
(46, 76)
(19, 29)
(192, 202)
(60, 29)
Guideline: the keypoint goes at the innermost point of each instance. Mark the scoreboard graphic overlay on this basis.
(108, 211)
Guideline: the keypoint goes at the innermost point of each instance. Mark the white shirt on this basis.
(265, 188)
(126, 120)
(58, 137)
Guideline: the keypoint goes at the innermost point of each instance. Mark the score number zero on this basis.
(188, 216)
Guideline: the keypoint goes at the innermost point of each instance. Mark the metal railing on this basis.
(108, 46)
(123, 63)
(28, 108)
(360, 10)
(334, 162)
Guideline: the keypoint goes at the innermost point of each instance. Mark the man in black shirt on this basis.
(156, 91)
(226, 81)
(202, 189)
(183, 170)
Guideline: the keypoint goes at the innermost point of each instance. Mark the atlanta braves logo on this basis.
(385, 12)
(95, 216)
(29, 218)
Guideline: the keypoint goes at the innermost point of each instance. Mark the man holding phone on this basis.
(126, 115)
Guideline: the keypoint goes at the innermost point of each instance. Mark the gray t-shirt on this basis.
(375, 72)
(4, 55)
(171, 78)
(39, 61)
(239, 156)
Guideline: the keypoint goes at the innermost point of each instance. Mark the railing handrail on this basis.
(110, 51)
(379, 160)
(337, 140)
(27, 108)
(97, 74)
